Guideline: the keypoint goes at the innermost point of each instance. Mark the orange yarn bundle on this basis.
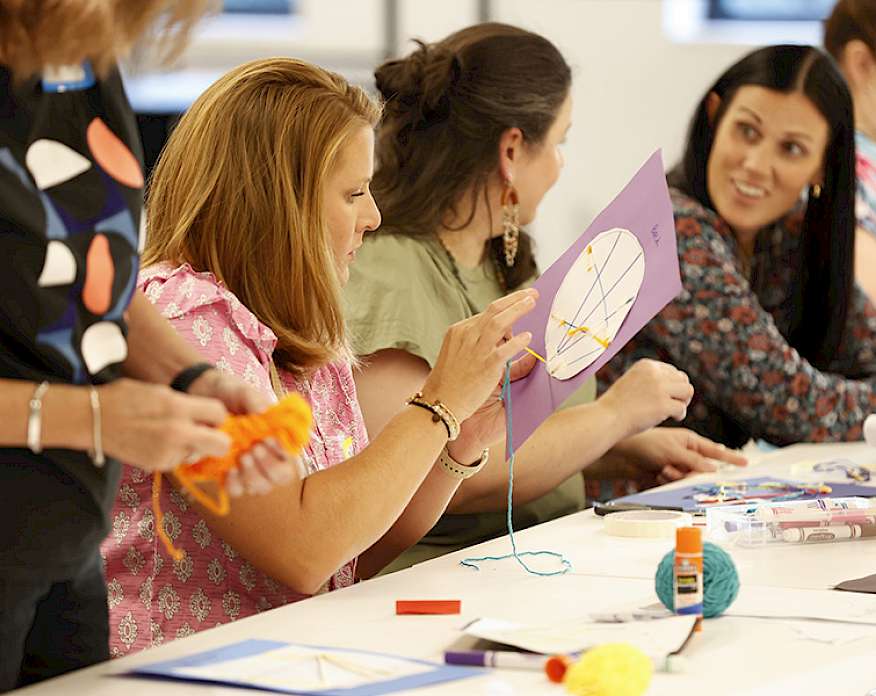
(287, 421)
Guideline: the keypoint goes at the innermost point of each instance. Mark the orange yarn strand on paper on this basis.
(287, 421)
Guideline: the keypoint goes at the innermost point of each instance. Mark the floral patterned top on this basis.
(728, 333)
(152, 598)
(865, 168)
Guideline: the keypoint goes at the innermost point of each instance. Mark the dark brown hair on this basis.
(849, 20)
(447, 105)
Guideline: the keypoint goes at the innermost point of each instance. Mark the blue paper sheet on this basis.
(683, 498)
(217, 661)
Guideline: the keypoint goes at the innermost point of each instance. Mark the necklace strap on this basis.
(454, 267)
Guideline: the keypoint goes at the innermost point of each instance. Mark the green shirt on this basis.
(403, 294)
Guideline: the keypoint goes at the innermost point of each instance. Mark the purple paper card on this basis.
(645, 209)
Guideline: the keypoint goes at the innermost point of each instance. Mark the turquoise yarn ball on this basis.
(720, 580)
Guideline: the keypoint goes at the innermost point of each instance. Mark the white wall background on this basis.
(634, 89)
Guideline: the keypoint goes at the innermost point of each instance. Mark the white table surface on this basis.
(731, 655)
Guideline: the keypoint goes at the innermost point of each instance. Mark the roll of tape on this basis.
(646, 523)
(870, 430)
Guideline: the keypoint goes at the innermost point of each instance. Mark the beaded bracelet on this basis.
(440, 412)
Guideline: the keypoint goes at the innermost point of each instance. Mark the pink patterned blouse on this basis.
(152, 598)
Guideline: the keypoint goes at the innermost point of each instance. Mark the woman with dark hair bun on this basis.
(775, 336)
(850, 37)
(469, 143)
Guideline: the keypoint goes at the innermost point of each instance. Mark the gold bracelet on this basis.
(440, 412)
(462, 471)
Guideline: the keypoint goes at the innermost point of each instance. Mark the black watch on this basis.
(185, 378)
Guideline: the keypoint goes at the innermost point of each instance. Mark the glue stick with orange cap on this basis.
(688, 572)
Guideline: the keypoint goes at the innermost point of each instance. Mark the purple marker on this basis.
(532, 661)
(495, 658)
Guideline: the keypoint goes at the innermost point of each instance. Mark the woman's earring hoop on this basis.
(816, 190)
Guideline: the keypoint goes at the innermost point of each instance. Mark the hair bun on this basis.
(419, 85)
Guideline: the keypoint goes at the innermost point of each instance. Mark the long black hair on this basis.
(823, 290)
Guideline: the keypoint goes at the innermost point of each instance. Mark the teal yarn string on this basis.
(720, 580)
(516, 555)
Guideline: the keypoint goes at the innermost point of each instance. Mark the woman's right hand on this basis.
(647, 394)
(155, 428)
(474, 353)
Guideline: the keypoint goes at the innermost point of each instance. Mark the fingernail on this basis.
(260, 487)
(246, 461)
(281, 474)
(232, 485)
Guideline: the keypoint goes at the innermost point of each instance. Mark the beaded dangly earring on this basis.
(510, 223)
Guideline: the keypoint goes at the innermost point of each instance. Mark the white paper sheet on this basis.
(788, 603)
(831, 633)
(656, 637)
(594, 299)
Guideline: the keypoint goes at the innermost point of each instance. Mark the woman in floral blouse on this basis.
(777, 340)
(255, 212)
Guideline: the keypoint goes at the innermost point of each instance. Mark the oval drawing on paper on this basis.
(592, 302)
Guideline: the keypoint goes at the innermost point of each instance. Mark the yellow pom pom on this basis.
(613, 669)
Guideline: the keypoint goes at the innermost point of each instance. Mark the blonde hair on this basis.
(39, 33)
(238, 191)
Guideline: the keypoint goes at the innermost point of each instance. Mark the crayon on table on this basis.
(428, 606)
(839, 532)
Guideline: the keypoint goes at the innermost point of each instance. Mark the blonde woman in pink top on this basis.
(255, 211)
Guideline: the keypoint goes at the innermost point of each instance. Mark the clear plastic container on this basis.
(792, 522)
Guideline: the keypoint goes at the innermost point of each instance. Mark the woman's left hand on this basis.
(265, 465)
(667, 454)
